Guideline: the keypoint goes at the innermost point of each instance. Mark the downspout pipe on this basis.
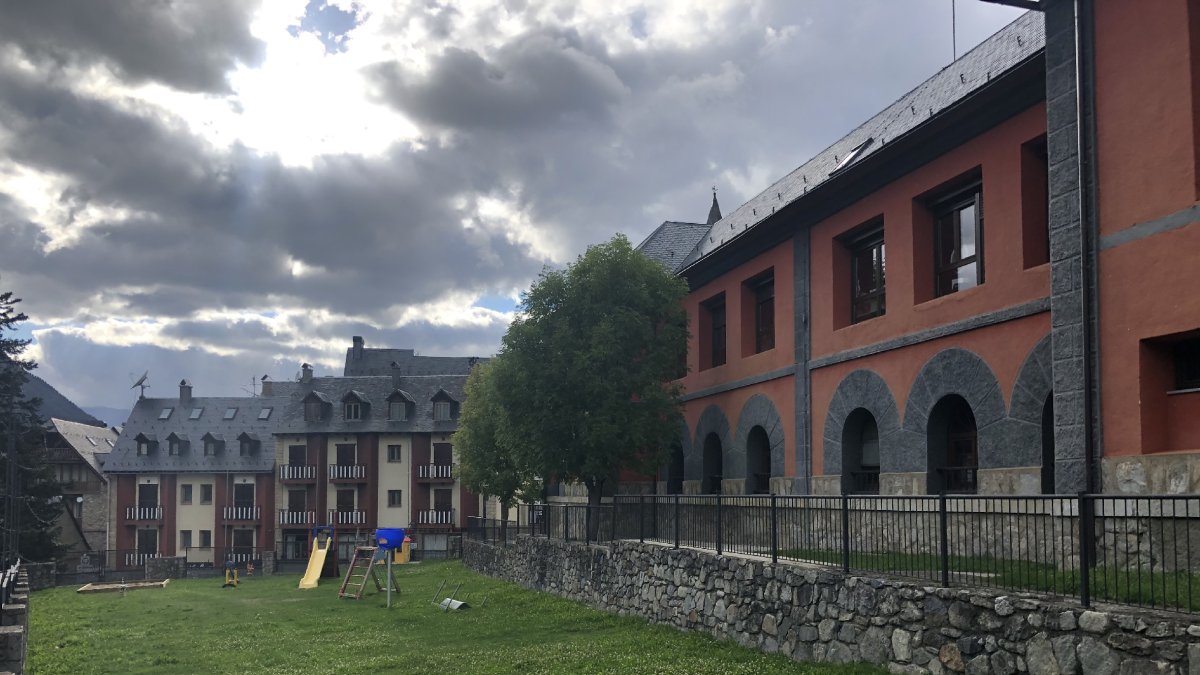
(1085, 130)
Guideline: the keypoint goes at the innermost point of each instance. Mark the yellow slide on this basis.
(315, 562)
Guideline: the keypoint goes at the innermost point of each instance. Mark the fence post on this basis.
(566, 508)
(612, 530)
(677, 520)
(1085, 549)
(719, 524)
(587, 525)
(774, 532)
(642, 518)
(846, 533)
(943, 540)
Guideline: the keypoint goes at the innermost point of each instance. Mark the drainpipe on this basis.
(1085, 130)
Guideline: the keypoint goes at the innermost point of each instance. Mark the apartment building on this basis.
(76, 452)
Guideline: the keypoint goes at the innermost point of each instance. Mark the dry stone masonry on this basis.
(820, 615)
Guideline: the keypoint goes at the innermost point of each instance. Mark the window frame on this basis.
(439, 406)
(185, 493)
(764, 327)
(948, 209)
(1185, 364)
(205, 538)
(399, 498)
(402, 406)
(716, 330)
(399, 454)
(206, 489)
(352, 406)
(862, 242)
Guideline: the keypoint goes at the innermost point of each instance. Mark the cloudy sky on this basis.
(219, 189)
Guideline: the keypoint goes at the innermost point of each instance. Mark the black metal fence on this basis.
(1142, 551)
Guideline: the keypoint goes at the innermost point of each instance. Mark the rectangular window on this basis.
(345, 500)
(297, 500)
(441, 411)
(353, 411)
(397, 411)
(143, 448)
(442, 499)
(243, 495)
(230, 413)
(206, 492)
(443, 454)
(173, 446)
(867, 281)
(205, 538)
(185, 539)
(265, 413)
(1035, 203)
(312, 411)
(715, 312)
(196, 413)
(245, 447)
(958, 241)
(297, 455)
(764, 314)
(165, 413)
(346, 455)
(1187, 364)
(394, 453)
(393, 498)
(147, 542)
(185, 493)
(147, 495)
(210, 447)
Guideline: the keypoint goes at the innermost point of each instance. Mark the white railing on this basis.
(143, 513)
(435, 471)
(348, 517)
(297, 517)
(240, 556)
(435, 517)
(297, 472)
(347, 471)
(138, 558)
(241, 513)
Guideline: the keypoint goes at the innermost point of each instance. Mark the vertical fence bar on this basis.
(719, 526)
(944, 540)
(774, 531)
(612, 517)
(676, 521)
(642, 518)
(587, 525)
(566, 510)
(1085, 553)
(845, 533)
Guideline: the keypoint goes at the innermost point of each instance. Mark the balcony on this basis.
(306, 518)
(347, 517)
(435, 473)
(143, 514)
(233, 514)
(435, 518)
(347, 473)
(297, 473)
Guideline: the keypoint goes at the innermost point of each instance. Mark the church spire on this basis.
(714, 213)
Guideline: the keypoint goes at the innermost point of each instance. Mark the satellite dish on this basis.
(141, 382)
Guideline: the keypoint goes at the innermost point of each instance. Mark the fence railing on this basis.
(1142, 551)
(347, 517)
(297, 517)
(297, 472)
(435, 471)
(347, 471)
(143, 513)
(435, 517)
(240, 512)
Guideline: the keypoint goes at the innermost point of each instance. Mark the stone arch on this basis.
(712, 421)
(867, 390)
(666, 474)
(1035, 383)
(962, 372)
(758, 411)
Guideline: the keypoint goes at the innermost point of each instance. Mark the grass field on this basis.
(268, 626)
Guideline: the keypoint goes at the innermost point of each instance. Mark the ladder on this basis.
(361, 568)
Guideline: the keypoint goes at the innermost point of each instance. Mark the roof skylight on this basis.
(166, 413)
(90, 440)
(196, 413)
(265, 413)
(853, 155)
(230, 413)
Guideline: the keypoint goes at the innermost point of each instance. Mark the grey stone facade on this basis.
(712, 421)
(818, 615)
(759, 411)
(867, 390)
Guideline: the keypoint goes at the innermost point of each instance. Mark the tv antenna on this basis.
(141, 382)
(253, 388)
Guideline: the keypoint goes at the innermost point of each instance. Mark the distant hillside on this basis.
(55, 404)
(113, 417)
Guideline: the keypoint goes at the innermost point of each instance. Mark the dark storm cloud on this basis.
(542, 78)
(186, 44)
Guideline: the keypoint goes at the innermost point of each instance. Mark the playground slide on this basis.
(315, 562)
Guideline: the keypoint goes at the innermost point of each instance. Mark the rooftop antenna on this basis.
(141, 382)
(953, 30)
(253, 388)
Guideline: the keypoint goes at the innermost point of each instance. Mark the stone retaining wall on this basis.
(166, 568)
(815, 614)
(14, 627)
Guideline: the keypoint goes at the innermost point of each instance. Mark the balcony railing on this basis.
(143, 513)
(240, 513)
(347, 472)
(297, 517)
(138, 558)
(297, 472)
(348, 517)
(436, 517)
(435, 471)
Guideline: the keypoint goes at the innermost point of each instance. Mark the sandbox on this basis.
(110, 587)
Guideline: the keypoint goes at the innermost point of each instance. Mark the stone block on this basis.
(14, 614)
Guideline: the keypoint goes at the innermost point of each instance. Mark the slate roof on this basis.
(76, 435)
(143, 420)
(371, 361)
(1009, 47)
(376, 389)
(54, 404)
(669, 243)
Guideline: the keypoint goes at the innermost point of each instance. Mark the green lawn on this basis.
(268, 626)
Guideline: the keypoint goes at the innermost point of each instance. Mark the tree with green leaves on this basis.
(31, 493)
(588, 387)
(487, 463)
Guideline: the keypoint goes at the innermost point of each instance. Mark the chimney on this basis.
(305, 373)
(358, 346)
(185, 394)
(267, 389)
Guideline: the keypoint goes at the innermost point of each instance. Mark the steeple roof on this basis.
(714, 213)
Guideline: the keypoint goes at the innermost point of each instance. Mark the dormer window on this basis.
(441, 411)
(315, 406)
(165, 413)
(213, 444)
(176, 444)
(355, 406)
(353, 411)
(146, 444)
(143, 448)
(248, 444)
(396, 411)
